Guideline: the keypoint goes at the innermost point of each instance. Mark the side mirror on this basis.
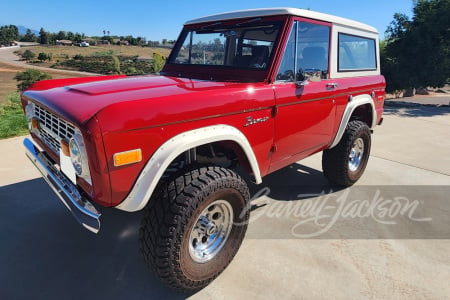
(313, 75)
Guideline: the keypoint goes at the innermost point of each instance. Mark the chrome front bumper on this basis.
(82, 210)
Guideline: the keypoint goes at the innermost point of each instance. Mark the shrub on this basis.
(28, 77)
(158, 62)
(42, 56)
(28, 55)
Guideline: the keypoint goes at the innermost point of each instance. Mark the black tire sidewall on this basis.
(169, 219)
(203, 271)
(335, 161)
(364, 134)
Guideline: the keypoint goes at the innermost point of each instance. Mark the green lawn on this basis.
(12, 118)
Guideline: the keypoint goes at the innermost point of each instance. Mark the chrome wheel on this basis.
(211, 231)
(356, 155)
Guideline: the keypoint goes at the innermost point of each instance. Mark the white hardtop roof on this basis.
(260, 12)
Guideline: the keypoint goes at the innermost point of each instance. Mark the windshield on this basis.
(242, 46)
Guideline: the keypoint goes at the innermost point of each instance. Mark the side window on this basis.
(287, 67)
(356, 53)
(307, 51)
(313, 44)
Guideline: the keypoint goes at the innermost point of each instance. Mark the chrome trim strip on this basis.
(83, 211)
(201, 119)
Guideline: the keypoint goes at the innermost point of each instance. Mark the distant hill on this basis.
(23, 30)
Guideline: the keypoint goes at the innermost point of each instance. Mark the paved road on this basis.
(45, 254)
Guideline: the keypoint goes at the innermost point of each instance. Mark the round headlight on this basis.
(75, 156)
(29, 110)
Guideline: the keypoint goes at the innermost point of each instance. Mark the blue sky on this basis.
(156, 20)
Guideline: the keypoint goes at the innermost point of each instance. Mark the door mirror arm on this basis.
(309, 75)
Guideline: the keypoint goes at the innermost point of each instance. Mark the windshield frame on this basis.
(225, 72)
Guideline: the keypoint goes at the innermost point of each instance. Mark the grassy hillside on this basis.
(12, 120)
(65, 52)
(8, 84)
(62, 53)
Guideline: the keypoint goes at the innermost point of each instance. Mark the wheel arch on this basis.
(154, 169)
(358, 107)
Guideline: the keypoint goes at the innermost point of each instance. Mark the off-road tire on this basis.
(173, 214)
(337, 163)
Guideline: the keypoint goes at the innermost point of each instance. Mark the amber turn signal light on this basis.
(35, 123)
(65, 147)
(127, 157)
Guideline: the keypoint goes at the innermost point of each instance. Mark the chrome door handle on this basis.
(332, 85)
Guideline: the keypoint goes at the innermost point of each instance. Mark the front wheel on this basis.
(345, 163)
(194, 226)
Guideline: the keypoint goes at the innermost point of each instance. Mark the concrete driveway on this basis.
(306, 239)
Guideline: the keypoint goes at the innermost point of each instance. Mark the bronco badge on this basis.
(251, 121)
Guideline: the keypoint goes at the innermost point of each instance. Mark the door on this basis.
(305, 109)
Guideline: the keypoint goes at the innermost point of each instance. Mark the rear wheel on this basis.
(194, 226)
(345, 163)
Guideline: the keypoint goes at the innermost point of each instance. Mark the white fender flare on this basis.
(154, 169)
(351, 106)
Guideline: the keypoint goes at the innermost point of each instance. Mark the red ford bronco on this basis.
(242, 95)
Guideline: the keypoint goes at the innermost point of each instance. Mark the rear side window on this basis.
(356, 53)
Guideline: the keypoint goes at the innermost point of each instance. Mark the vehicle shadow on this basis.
(295, 182)
(405, 109)
(45, 254)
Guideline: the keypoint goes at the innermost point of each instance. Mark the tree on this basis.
(28, 77)
(141, 40)
(133, 41)
(431, 27)
(398, 28)
(28, 37)
(28, 55)
(43, 37)
(61, 35)
(42, 56)
(153, 43)
(417, 52)
(78, 38)
(51, 38)
(70, 36)
(8, 34)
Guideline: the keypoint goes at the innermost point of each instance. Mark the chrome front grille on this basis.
(52, 129)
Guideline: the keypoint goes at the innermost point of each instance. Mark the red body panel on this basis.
(51, 84)
(147, 124)
(308, 117)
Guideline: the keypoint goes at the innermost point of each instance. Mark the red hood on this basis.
(80, 102)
